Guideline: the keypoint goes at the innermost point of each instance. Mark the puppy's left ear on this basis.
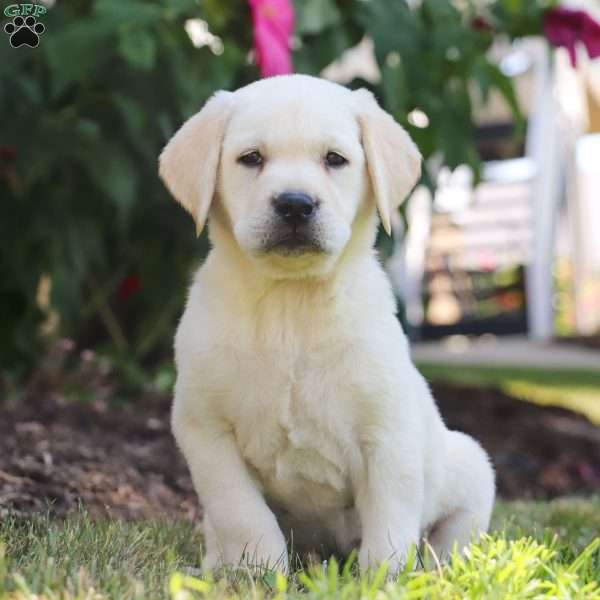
(393, 159)
(189, 163)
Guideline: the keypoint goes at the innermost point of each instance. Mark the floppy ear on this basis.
(393, 159)
(189, 163)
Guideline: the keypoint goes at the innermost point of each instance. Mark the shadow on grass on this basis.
(574, 389)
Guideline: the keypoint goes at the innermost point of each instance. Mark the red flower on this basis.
(272, 25)
(481, 24)
(129, 286)
(565, 27)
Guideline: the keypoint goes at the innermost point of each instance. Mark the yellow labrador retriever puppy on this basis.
(297, 406)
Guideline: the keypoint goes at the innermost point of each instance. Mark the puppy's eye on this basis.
(334, 159)
(251, 159)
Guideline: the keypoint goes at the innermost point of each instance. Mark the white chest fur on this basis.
(296, 430)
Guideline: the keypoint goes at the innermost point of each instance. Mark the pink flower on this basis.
(272, 25)
(565, 27)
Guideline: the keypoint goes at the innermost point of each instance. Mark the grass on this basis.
(575, 389)
(537, 550)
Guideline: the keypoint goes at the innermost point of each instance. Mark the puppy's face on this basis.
(292, 176)
(292, 160)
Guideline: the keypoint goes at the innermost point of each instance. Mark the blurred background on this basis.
(495, 257)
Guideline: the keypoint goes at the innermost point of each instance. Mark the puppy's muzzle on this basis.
(295, 208)
(294, 231)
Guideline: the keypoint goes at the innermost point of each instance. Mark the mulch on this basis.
(57, 455)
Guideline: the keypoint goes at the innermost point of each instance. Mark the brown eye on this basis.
(251, 159)
(333, 159)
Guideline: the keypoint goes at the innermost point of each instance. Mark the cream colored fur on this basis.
(297, 406)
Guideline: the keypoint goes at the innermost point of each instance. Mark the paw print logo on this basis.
(24, 32)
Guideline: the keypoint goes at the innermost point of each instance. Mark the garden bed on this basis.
(122, 461)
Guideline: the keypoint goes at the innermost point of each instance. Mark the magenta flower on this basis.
(272, 25)
(565, 27)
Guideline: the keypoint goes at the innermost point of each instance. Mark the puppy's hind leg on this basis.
(466, 498)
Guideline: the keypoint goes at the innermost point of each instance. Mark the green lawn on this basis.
(578, 390)
(537, 550)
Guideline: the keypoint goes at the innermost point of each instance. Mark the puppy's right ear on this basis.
(189, 163)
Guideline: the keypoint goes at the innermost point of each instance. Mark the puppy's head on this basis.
(291, 161)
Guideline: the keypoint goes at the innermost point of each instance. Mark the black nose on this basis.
(294, 208)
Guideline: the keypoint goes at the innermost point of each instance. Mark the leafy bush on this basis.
(93, 249)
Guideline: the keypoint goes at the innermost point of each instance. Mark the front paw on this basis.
(260, 551)
(269, 552)
(374, 552)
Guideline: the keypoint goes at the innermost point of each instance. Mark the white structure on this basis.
(545, 148)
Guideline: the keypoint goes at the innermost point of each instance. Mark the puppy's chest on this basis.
(297, 432)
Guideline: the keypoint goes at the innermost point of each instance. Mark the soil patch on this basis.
(538, 451)
(112, 460)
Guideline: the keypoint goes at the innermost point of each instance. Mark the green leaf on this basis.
(481, 76)
(133, 115)
(114, 174)
(138, 47)
(318, 51)
(441, 10)
(75, 52)
(313, 16)
(505, 86)
(176, 8)
(393, 81)
(392, 25)
(219, 14)
(132, 12)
